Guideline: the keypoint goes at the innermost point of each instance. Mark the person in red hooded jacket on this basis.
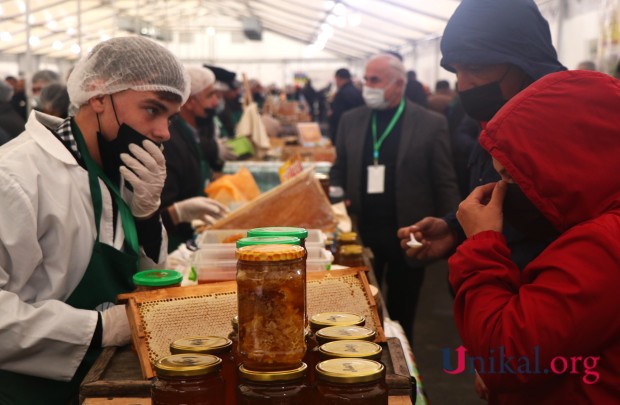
(549, 334)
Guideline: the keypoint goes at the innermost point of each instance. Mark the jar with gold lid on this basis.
(271, 294)
(190, 379)
(358, 349)
(351, 256)
(217, 346)
(334, 333)
(343, 239)
(350, 381)
(273, 387)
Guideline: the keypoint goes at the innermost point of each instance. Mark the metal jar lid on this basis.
(359, 349)
(349, 371)
(325, 319)
(187, 365)
(270, 376)
(201, 344)
(333, 333)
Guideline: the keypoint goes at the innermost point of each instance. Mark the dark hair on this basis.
(618, 67)
(395, 54)
(442, 85)
(169, 96)
(343, 73)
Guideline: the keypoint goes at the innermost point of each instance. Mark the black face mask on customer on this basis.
(207, 120)
(525, 217)
(482, 102)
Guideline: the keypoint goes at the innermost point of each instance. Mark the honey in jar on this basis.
(273, 387)
(218, 346)
(357, 349)
(154, 279)
(351, 256)
(234, 337)
(188, 379)
(343, 239)
(271, 294)
(350, 381)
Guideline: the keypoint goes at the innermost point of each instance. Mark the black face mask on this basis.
(111, 151)
(482, 102)
(525, 217)
(207, 119)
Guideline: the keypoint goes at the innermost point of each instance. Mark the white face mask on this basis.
(374, 98)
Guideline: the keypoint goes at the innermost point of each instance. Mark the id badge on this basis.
(376, 179)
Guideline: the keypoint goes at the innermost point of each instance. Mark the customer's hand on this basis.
(201, 208)
(225, 151)
(147, 177)
(115, 327)
(482, 209)
(437, 239)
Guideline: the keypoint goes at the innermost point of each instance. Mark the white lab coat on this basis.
(47, 233)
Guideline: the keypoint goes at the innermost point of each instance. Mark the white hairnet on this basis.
(200, 78)
(125, 63)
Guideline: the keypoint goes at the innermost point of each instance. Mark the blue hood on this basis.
(490, 32)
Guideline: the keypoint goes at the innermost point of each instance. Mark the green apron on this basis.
(177, 238)
(109, 273)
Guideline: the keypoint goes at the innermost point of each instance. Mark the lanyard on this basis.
(377, 143)
(95, 172)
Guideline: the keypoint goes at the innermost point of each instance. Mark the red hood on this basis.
(559, 139)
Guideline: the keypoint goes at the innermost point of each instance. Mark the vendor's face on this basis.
(472, 75)
(206, 99)
(147, 112)
(379, 74)
(499, 168)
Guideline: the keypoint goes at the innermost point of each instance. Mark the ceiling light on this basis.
(104, 37)
(332, 19)
(340, 9)
(329, 4)
(355, 19)
(34, 41)
(71, 31)
(210, 31)
(57, 45)
(21, 6)
(52, 25)
(6, 36)
(75, 48)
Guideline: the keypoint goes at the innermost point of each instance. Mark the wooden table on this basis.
(115, 378)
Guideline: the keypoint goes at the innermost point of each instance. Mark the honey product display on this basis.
(188, 379)
(271, 293)
(286, 387)
(350, 255)
(300, 233)
(358, 349)
(350, 381)
(153, 279)
(217, 346)
(333, 333)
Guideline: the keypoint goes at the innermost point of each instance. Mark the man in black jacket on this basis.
(347, 97)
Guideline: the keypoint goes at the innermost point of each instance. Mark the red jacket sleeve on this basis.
(565, 303)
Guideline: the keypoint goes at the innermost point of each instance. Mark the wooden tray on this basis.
(159, 317)
(116, 375)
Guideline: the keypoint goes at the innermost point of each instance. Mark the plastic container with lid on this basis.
(350, 255)
(300, 233)
(271, 294)
(333, 333)
(358, 349)
(268, 240)
(191, 379)
(216, 346)
(277, 387)
(351, 381)
(155, 279)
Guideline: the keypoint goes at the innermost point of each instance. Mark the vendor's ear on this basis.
(97, 104)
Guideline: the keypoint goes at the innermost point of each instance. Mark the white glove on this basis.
(147, 177)
(202, 208)
(225, 151)
(115, 327)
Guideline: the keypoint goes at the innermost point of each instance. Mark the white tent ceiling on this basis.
(346, 28)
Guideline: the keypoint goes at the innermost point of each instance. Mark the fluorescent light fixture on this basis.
(104, 37)
(21, 6)
(75, 48)
(355, 19)
(6, 36)
(210, 31)
(57, 45)
(34, 41)
(71, 31)
(340, 9)
(52, 25)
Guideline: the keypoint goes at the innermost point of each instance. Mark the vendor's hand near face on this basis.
(437, 239)
(482, 209)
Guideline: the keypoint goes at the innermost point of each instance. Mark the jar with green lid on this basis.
(271, 294)
(216, 346)
(333, 333)
(273, 387)
(155, 279)
(358, 349)
(350, 381)
(268, 240)
(350, 256)
(300, 233)
(190, 379)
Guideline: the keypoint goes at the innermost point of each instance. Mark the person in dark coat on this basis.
(347, 97)
(415, 91)
(10, 121)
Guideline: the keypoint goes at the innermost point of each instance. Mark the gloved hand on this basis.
(147, 177)
(225, 151)
(115, 327)
(202, 208)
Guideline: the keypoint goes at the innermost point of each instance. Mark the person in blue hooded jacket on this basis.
(496, 48)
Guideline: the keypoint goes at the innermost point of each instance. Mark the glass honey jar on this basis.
(357, 349)
(188, 379)
(334, 333)
(286, 387)
(351, 256)
(271, 294)
(343, 239)
(350, 381)
(217, 346)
